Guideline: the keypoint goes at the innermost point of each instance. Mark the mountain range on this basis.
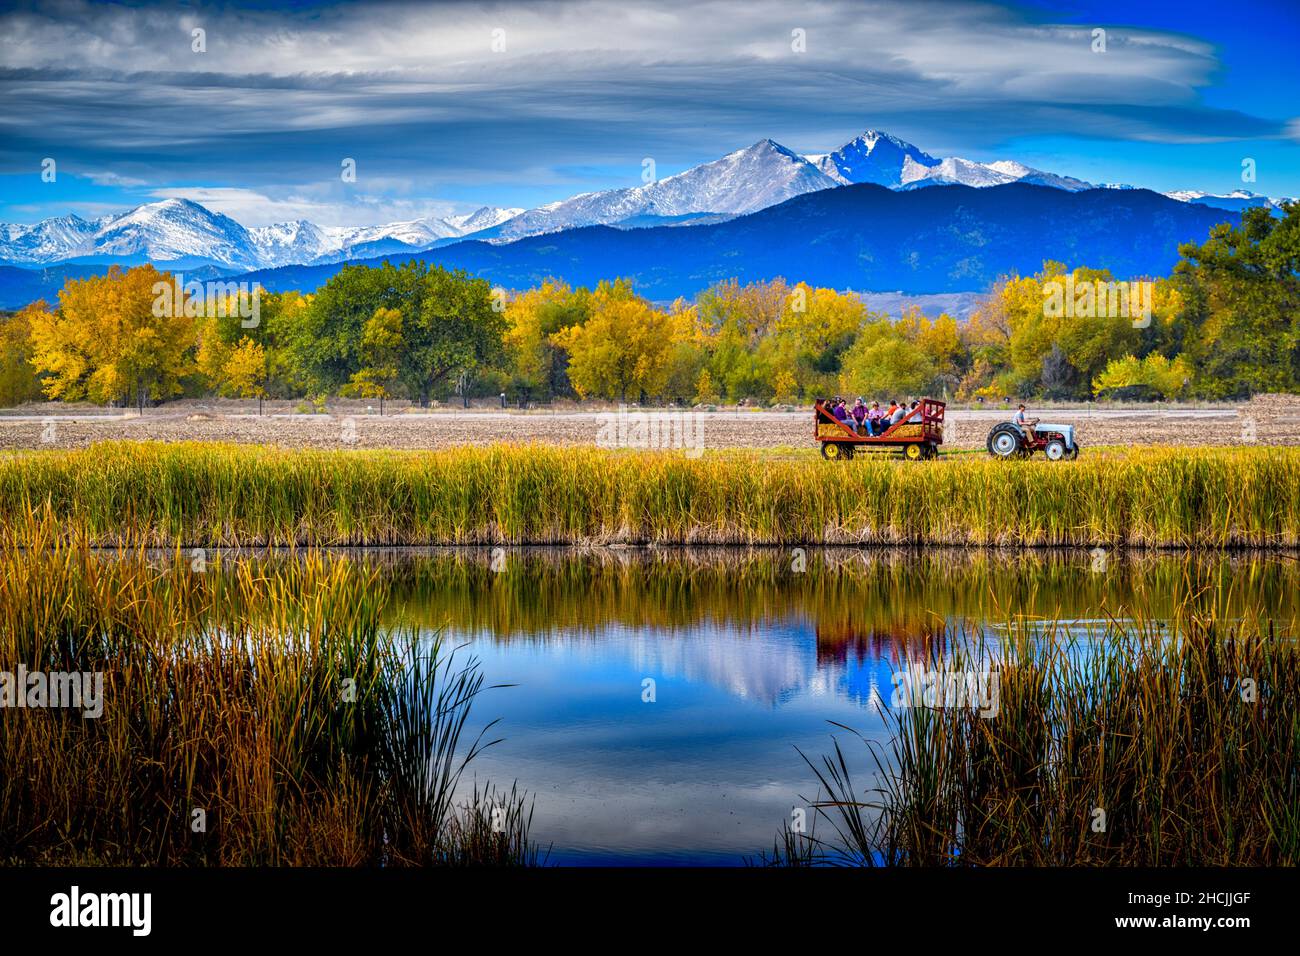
(181, 234)
(863, 236)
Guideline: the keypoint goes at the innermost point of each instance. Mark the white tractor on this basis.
(1008, 440)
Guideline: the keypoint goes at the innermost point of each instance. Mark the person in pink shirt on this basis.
(874, 416)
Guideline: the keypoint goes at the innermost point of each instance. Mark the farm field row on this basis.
(1270, 421)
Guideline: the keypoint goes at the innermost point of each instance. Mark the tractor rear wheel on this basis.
(1004, 441)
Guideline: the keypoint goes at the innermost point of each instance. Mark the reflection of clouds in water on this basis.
(767, 666)
(712, 809)
(705, 775)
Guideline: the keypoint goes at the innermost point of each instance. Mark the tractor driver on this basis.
(1026, 424)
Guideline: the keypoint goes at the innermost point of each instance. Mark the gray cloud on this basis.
(416, 95)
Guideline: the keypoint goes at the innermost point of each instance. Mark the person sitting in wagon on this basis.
(887, 416)
(860, 416)
(875, 419)
(899, 413)
(840, 412)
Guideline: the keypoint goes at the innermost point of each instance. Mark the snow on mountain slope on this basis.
(1235, 201)
(1027, 174)
(745, 181)
(59, 238)
(966, 172)
(288, 243)
(484, 218)
(183, 231)
(875, 157)
(414, 232)
(954, 169)
(173, 230)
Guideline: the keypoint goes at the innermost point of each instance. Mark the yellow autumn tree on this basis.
(532, 320)
(803, 350)
(245, 371)
(114, 337)
(381, 346)
(18, 382)
(625, 348)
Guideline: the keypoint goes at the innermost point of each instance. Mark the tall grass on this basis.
(1138, 749)
(262, 717)
(201, 494)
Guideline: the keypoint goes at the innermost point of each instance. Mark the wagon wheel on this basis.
(835, 451)
(913, 452)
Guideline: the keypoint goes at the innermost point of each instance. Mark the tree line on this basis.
(1224, 324)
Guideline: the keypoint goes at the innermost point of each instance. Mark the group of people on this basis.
(870, 419)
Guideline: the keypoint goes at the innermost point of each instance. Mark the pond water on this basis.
(660, 699)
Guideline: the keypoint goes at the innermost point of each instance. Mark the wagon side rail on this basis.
(822, 418)
(928, 414)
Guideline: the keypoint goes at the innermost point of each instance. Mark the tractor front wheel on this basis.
(1054, 450)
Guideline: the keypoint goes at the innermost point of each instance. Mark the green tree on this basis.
(1240, 291)
(449, 325)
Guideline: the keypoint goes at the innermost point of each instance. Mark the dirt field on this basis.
(1269, 420)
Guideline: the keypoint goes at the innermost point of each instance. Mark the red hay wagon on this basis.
(918, 436)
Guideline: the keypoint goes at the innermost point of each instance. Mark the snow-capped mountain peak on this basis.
(875, 157)
(55, 237)
(743, 181)
(173, 230)
(483, 218)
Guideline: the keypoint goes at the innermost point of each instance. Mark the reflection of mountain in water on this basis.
(769, 664)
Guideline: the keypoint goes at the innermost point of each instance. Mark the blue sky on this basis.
(577, 93)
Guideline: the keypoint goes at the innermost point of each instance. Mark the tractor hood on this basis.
(1067, 431)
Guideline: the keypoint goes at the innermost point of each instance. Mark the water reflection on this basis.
(751, 655)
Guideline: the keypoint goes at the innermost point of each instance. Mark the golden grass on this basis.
(271, 701)
(205, 494)
(1138, 745)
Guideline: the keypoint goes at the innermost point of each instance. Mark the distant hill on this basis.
(863, 237)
